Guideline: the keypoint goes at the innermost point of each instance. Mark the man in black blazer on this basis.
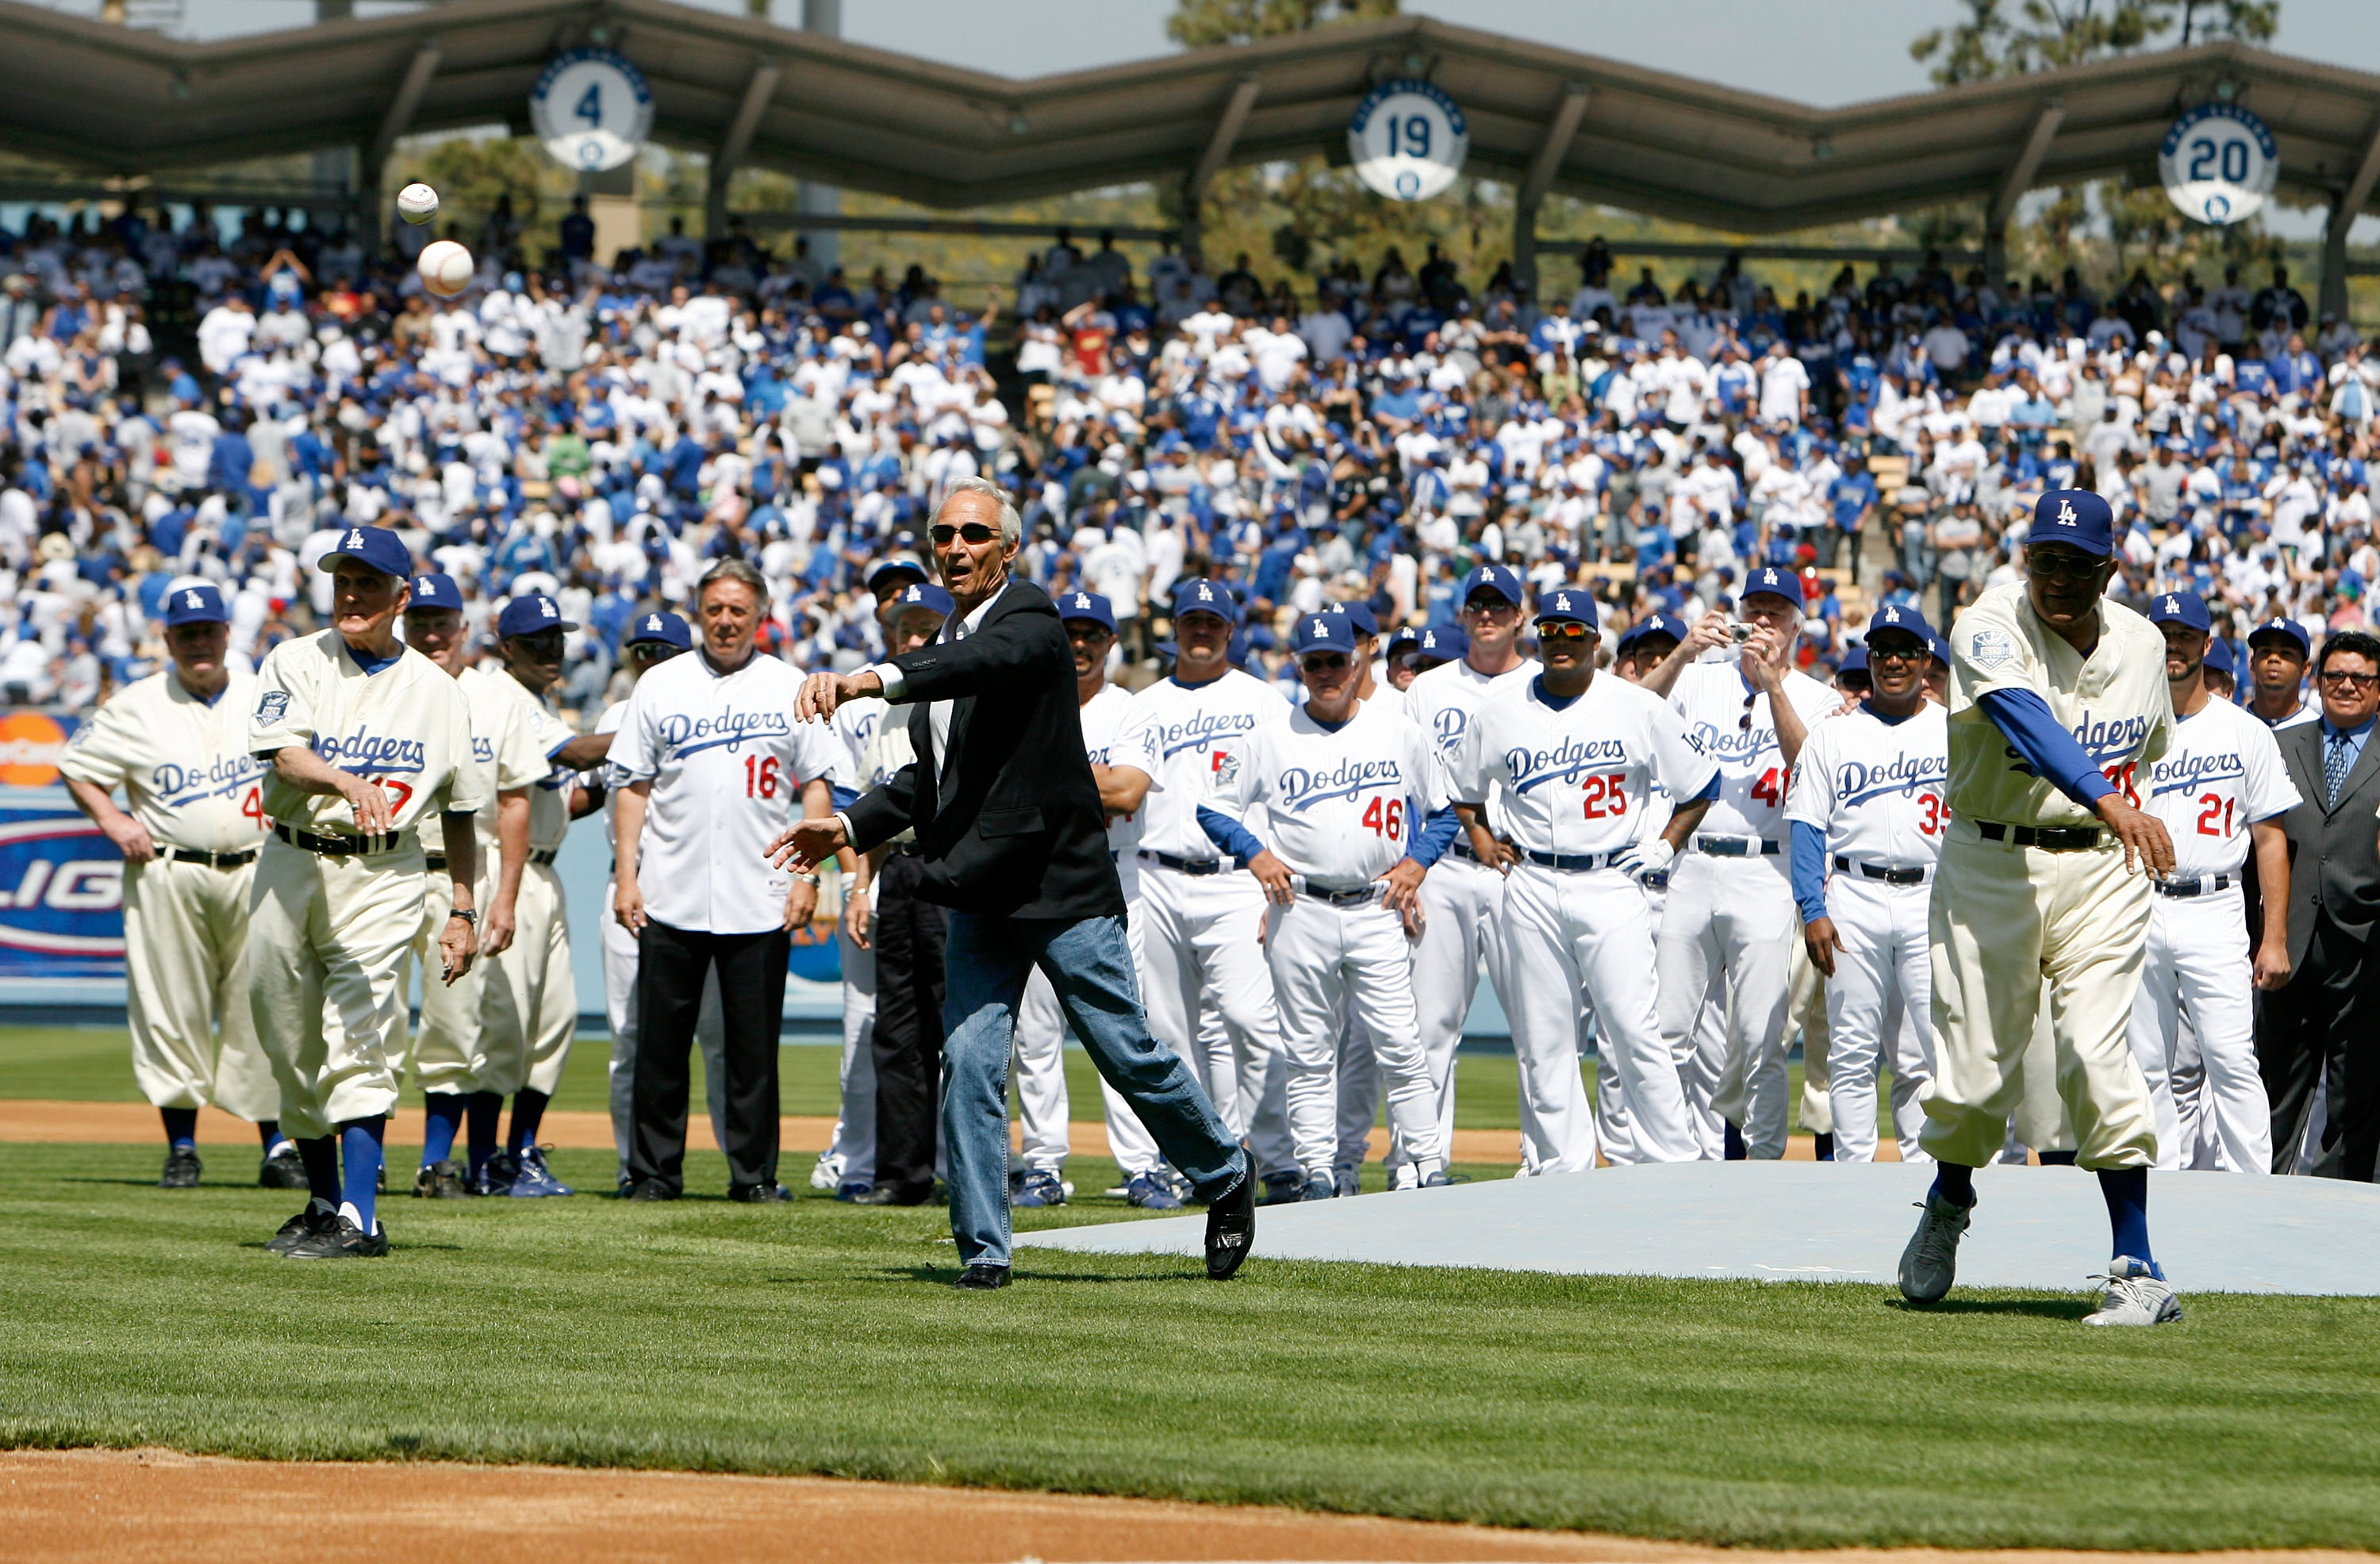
(1011, 837)
(2319, 1030)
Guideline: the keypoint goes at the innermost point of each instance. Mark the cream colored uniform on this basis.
(183, 765)
(528, 1001)
(333, 931)
(2010, 924)
(446, 1036)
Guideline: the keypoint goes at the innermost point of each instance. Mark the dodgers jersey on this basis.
(2115, 704)
(1116, 732)
(539, 733)
(1199, 732)
(613, 778)
(1344, 802)
(1876, 788)
(500, 744)
(1576, 777)
(727, 763)
(183, 762)
(2221, 774)
(483, 762)
(1753, 777)
(855, 723)
(405, 727)
(1442, 702)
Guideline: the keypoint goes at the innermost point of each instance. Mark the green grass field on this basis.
(816, 1338)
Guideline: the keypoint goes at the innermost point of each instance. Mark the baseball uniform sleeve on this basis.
(464, 788)
(1989, 651)
(636, 754)
(820, 752)
(1137, 747)
(1679, 763)
(1469, 770)
(101, 752)
(2268, 790)
(285, 693)
(519, 761)
(1810, 799)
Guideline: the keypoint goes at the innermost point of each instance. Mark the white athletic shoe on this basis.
(827, 1172)
(1931, 1262)
(2135, 1295)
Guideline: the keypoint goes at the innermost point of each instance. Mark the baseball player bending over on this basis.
(1575, 759)
(1866, 799)
(1346, 786)
(364, 737)
(2221, 786)
(176, 743)
(2057, 698)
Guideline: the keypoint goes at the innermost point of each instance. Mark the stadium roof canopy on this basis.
(121, 101)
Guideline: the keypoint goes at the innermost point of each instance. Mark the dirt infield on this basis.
(133, 1123)
(130, 1507)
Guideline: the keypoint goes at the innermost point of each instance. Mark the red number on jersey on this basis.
(251, 807)
(1604, 796)
(2216, 804)
(1387, 817)
(1929, 820)
(759, 776)
(2123, 779)
(1771, 788)
(404, 791)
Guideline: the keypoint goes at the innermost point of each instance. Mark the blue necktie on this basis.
(2336, 761)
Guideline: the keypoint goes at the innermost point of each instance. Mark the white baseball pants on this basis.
(186, 974)
(1806, 1011)
(447, 1033)
(1728, 930)
(528, 1002)
(2018, 934)
(1359, 1090)
(1883, 987)
(851, 1152)
(2197, 965)
(1462, 931)
(1209, 999)
(1571, 934)
(620, 957)
(1325, 961)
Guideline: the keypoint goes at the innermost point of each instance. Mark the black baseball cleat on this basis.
(758, 1195)
(439, 1181)
(318, 1216)
(1283, 1189)
(896, 1194)
(341, 1240)
(981, 1278)
(1232, 1228)
(282, 1169)
(496, 1176)
(182, 1167)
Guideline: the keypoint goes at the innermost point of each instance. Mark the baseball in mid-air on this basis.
(446, 268)
(417, 203)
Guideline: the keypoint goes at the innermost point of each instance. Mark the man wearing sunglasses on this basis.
(1461, 931)
(2059, 702)
(1344, 787)
(1866, 801)
(1727, 931)
(1575, 759)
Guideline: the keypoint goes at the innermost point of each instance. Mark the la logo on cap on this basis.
(1320, 628)
(355, 538)
(2066, 512)
(1892, 616)
(1561, 601)
(545, 607)
(654, 623)
(2173, 605)
(422, 584)
(190, 600)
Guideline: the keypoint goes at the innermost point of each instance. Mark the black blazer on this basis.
(1011, 824)
(2334, 851)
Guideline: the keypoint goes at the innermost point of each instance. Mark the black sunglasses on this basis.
(972, 531)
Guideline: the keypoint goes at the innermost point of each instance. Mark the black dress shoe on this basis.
(758, 1195)
(896, 1194)
(649, 1189)
(981, 1278)
(1232, 1228)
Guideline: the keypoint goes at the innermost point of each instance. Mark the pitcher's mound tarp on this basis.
(2042, 1228)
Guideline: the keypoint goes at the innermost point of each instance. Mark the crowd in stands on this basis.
(177, 404)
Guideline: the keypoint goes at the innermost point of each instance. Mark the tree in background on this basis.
(1203, 24)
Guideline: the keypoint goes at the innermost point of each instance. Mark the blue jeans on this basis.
(986, 964)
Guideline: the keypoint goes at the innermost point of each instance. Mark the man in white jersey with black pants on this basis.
(1198, 945)
(1345, 786)
(1461, 930)
(1124, 764)
(176, 743)
(1730, 924)
(2220, 788)
(1575, 758)
(1866, 802)
(363, 738)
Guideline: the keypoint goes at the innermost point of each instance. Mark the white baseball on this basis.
(446, 268)
(417, 203)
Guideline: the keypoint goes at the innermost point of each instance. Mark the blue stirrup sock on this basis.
(1955, 1183)
(2126, 1191)
(528, 1111)
(269, 1131)
(444, 1121)
(486, 1108)
(181, 1125)
(321, 1159)
(360, 1141)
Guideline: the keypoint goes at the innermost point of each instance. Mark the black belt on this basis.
(1573, 863)
(434, 862)
(1190, 866)
(2197, 885)
(1355, 898)
(1735, 847)
(545, 855)
(338, 847)
(1461, 848)
(213, 860)
(2049, 839)
(1657, 880)
(1884, 872)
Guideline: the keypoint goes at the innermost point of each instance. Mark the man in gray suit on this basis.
(2319, 1030)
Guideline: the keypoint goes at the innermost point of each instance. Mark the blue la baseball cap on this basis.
(1775, 582)
(1360, 614)
(891, 566)
(1655, 623)
(1907, 621)
(1090, 606)
(920, 594)
(1854, 662)
(1937, 651)
(1440, 641)
(435, 590)
(1496, 578)
(2287, 629)
(2180, 608)
(195, 605)
(666, 628)
(376, 546)
(1323, 632)
(2075, 517)
(1206, 597)
(1567, 603)
(2218, 658)
(531, 614)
